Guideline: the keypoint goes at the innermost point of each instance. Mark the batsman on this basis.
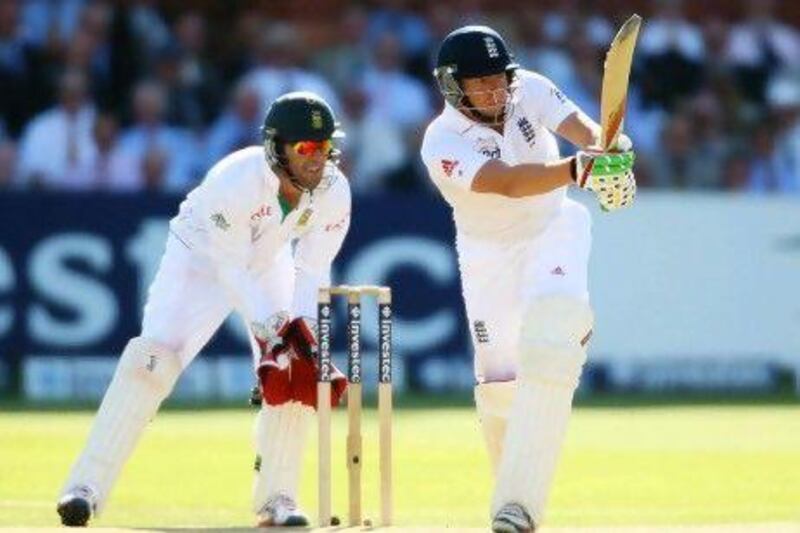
(523, 250)
(257, 236)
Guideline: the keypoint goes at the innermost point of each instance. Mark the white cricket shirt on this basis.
(455, 148)
(234, 220)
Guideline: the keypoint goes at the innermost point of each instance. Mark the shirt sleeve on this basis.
(316, 250)
(546, 101)
(450, 157)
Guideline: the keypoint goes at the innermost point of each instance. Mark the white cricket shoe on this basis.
(281, 510)
(512, 518)
(77, 506)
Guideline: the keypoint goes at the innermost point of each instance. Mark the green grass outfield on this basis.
(630, 465)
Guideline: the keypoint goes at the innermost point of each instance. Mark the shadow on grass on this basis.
(464, 400)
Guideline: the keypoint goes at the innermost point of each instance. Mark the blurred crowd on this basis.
(133, 96)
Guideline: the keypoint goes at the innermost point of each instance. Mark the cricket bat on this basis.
(616, 72)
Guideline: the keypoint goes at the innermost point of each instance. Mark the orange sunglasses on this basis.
(306, 148)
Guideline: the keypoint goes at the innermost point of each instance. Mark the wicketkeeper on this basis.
(258, 236)
(523, 250)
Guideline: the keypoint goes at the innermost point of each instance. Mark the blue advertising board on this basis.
(74, 271)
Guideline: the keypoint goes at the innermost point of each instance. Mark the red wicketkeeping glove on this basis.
(288, 370)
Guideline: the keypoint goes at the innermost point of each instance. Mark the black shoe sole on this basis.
(296, 521)
(75, 512)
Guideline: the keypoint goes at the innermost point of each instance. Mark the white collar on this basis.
(458, 119)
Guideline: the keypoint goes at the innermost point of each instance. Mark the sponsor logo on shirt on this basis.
(338, 225)
(219, 220)
(448, 166)
(263, 211)
(526, 129)
(488, 147)
(558, 271)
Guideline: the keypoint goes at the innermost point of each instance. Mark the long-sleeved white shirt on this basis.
(234, 220)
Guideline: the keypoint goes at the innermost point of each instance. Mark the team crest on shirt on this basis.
(527, 131)
(488, 147)
(303, 220)
(219, 220)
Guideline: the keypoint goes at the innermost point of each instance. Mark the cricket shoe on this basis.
(281, 510)
(513, 518)
(77, 506)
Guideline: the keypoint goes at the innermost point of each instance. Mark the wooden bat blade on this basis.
(616, 74)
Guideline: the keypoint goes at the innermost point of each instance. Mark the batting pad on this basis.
(551, 358)
(280, 438)
(493, 401)
(145, 375)
(554, 332)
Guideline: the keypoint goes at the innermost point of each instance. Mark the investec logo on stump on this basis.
(324, 335)
(385, 343)
(354, 341)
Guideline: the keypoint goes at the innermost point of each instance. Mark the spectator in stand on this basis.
(572, 18)
(413, 35)
(18, 61)
(238, 126)
(681, 162)
(760, 46)
(149, 30)
(8, 165)
(672, 54)
(709, 142)
(192, 91)
(241, 54)
(393, 94)
(585, 80)
(345, 60)
(87, 48)
(715, 33)
(442, 17)
(107, 169)
(373, 148)
(95, 23)
(543, 51)
(196, 83)
(50, 24)
(155, 168)
(150, 132)
(279, 69)
(59, 140)
(83, 52)
(762, 173)
(783, 96)
(737, 113)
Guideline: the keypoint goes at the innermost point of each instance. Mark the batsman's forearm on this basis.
(580, 130)
(527, 179)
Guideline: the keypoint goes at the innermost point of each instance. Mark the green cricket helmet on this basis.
(298, 116)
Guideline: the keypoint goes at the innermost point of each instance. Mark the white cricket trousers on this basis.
(186, 302)
(500, 279)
